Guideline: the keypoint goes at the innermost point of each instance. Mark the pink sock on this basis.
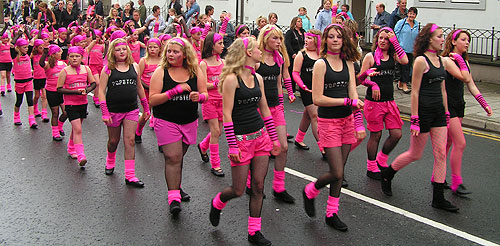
(214, 155)
(60, 125)
(35, 109)
(138, 131)
(320, 147)
(249, 180)
(300, 136)
(279, 181)
(55, 132)
(372, 166)
(205, 143)
(9, 87)
(80, 151)
(2, 88)
(44, 113)
(332, 206)
(31, 119)
(174, 195)
(130, 171)
(110, 160)
(455, 182)
(311, 191)
(382, 159)
(254, 224)
(217, 203)
(17, 117)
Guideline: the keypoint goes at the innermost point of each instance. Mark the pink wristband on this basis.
(202, 97)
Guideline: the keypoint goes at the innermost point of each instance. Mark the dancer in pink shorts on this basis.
(74, 82)
(177, 86)
(39, 79)
(380, 106)
(5, 61)
(211, 66)
(96, 60)
(248, 134)
(120, 86)
(23, 76)
(334, 92)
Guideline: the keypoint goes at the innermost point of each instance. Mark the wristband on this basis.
(298, 80)
(371, 84)
(271, 130)
(145, 105)
(480, 99)
(461, 63)
(399, 51)
(358, 121)
(202, 98)
(414, 123)
(350, 102)
(365, 74)
(174, 91)
(231, 138)
(216, 84)
(205, 31)
(104, 110)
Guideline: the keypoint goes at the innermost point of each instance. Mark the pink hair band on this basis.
(455, 34)
(433, 28)
(178, 40)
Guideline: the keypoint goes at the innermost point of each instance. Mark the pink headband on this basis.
(126, 22)
(385, 28)
(318, 40)
(62, 29)
(433, 28)
(44, 35)
(178, 40)
(154, 40)
(98, 33)
(118, 34)
(5, 35)
(21, 42)
(120, 43)
(34, 32)
(77, 39)
(245, 42)
(238, 30)
(75, 49)
(195, 30)
(217, 37)
(268, 31)
(53, 49)
(38, 42)
(109, 30)
(455, 34)
(165, 37)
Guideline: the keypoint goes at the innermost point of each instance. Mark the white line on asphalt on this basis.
(403, 212)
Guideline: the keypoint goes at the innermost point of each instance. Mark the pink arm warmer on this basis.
(399, 51)
(174, 91)
(298, 80)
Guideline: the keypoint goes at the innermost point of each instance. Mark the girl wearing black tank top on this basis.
(302, 74)
(334, 92)
(176, 88)
(273, 67)
(119, 87)
(249, 137)
(380, 106)
(457, 67)
(428, 107)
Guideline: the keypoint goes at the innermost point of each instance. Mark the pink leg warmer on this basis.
(17, 117)
(205, 143)
(217, 203)
(372, 166)
(382, 159)
(279, 181)
(174, 195)
(455, 182)
(332, 206)
(300, 136)
(249, 180)
(254, 224)
(438, 139)
(311, 191)
(35, 109)
(417, 145)
(55, 132)
(214, 155)
(110, 160)
(9, 87)
(60, 125)
(44, 113)
(2, 88)
(80, 152)
(31, 119)
(130, 171)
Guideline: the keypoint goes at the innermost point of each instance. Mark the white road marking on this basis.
(403, 212)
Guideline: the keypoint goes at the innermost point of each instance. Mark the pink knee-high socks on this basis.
(217, 203)
(174, 195)
(254, 225)
(17, 117)
(31, 119)
(299, 137)
(372, 166)
(382, 159)
(205, 143)
(130, 171)
(279, 181)
(55, 132)
(60, 125)
(311, 191)
(332, 206)
(214, 155)
(35, 109)
(110, 160)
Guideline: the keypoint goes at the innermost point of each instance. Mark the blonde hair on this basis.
(111, 56)
(260, 18)
(235, 58)
(264, 35)
(191, 61)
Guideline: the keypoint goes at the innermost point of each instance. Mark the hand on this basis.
(107, 121)
(185, 87)
(390, 35)
(375, 95)
(373, 72)
(308, 90)
(291, 98)
(147, 115)
(194, 96)
(234, 154)
(276, 148)
(293, 56)
(360, 135)
(360, 104)
(414, 133)
(489, 111)
(82, 91)
(452, 56)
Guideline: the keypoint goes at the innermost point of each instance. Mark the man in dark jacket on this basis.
(99, 9)
(399, 13)
(174, 4)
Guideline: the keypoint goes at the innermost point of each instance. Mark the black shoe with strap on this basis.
(109, 171)
(308, 205)
(461, 190)
(217, 172)
(336, 223)
(136, 184)
(284, 196)
(138, 139)
(259, 239)
(184, 196)
(386, 180)
(204, 156)
(301, 146)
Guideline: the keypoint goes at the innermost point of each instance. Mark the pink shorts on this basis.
(336, 132)
(96, 68)
(212, 109)
(260, 146)
(278, 115)
(117, 118)
(21, 88)
(378, 113)
(168, 132)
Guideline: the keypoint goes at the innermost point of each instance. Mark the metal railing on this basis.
(484, 43)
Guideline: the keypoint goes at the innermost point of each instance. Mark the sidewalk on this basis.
(475, 116)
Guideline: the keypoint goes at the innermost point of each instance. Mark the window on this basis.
(452, 4)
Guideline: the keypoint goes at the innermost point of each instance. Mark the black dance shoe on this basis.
(62, 133)
(57, 139)
(284, 197)
(259, 239)
(308, 205)
(344, 183)
(214, 214)
(109, 171)
(34, 126)
(184, 196)
(444, 205)
(386, 180)
(136, 184)
(175, 207)
(217, 172)
(204, 157)
(461, 190)
(373, 175)
(2, 93)
(45, 120)
(138, 139)
(336, 223)
(300, 146)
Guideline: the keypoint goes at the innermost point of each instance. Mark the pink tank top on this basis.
(136, 51)
(52, 75)
(38, 72)
(148, 72)
(96, 55)
(5, 53)
(85, 58)
(22, 68)
(75, 82)
(213, 73)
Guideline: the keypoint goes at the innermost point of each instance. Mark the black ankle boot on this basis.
(387, 175)
(438, 200)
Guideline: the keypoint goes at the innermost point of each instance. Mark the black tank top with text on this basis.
(121, 94)
(430, 88)
(384, 80)
(306, 71)
(335, 86)
(245, 116)
(270, 75)
(454, 90)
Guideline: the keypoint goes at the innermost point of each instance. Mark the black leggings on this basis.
(29, 99)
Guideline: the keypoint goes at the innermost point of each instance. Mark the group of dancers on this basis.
(242, 94)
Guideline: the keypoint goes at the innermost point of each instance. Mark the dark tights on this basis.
(337, 157)
(389, 144)
(55, 114)
(29, 98)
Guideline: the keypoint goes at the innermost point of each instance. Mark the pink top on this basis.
(85, 58)
(5, 53)
(198, 52)
(52, 75)
(96, 54)
(75, 82)
(148, 72)
(213, 73)
(38, 72)
(22, 68)
(136, 51)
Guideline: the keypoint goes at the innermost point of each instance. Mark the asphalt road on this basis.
(46, 199)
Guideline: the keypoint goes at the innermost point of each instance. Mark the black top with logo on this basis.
(246, 118)
(335, 86)
(270, 75)
(384, 80)
(121, 95)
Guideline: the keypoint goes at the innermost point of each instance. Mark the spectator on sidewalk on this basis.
(58, 13)
(399, 13)
(324, 17)
(261, 22)
(272, 18)
(174, 4)
(382, 18)
(192, 14)
(306, 21)
(99, 9)
(142, 11)
(345, 8)
(157, 18)
(406, 31)
(294, 42)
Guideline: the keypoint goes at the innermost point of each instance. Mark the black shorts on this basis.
(39, 84)
(433, 116)
(54, 98)
(76, 111)
(6, 66)
(306, 97)
(456, 110)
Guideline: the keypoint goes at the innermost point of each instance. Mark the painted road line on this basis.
(403, 212)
